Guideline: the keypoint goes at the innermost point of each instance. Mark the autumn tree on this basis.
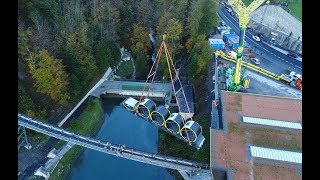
(174, 32)
(49, 76)
(140, 46)
(162, 24)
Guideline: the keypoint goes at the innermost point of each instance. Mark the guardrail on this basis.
(133, 80)
(106, 147)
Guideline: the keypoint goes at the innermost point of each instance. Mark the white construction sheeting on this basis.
(270, 122)
(275, 154)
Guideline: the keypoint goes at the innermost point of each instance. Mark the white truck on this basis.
(232, 54)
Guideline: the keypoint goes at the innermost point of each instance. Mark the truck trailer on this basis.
(292, 79)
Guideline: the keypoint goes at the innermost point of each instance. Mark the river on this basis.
(121, 127)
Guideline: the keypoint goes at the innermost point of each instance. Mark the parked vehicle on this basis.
(260, 35)
(256, 38)
(249, 28)
(255, 61)
(272, 41)
(232, 54)
(293, 55)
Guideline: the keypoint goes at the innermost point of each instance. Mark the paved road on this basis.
(271, 59)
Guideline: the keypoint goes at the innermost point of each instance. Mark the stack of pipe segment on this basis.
(145, 107)
(174, 123)
(130, 104)
(193, 129)
(159, 115)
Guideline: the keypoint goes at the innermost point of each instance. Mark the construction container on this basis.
(160, 115)
(232, 40)
(216, 44)
(129, 104)
(174, 123)
(191, 130)
(145, 107)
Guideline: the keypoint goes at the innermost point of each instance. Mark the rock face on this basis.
(271, 18)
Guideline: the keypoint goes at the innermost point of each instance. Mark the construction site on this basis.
(254, 99)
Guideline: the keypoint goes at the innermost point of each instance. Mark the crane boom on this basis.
(243, 11)
(243, 16)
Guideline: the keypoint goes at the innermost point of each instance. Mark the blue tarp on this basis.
(231, 40)
(216, 44)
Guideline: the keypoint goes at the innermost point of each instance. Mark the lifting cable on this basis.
(183, 119)
(163, 45)
(154, 75)
(185, 98)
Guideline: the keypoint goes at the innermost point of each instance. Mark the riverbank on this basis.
(88, 123)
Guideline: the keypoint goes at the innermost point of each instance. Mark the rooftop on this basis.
(263, 148)
(189, 96)
(231, 36)
(277, 18)
(215, 41)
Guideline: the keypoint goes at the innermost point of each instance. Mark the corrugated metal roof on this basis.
(270, 122)
(189, 96)
(231, 36)
(276, 154)
(216, 41)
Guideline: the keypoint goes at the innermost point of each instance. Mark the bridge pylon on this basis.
(22, 138)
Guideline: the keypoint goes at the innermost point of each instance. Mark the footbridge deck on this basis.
(112, 149)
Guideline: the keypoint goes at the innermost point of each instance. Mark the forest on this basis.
(64, 47)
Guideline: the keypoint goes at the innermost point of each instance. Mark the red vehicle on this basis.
(293, 79)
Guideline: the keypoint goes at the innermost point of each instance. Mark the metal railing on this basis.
(133, 80)
(108, 148)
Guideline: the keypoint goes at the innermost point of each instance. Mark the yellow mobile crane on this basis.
(243, 13)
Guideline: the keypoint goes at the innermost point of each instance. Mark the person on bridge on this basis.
(116, 152)
(215, 105)
(108, 145)
(121, 148)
